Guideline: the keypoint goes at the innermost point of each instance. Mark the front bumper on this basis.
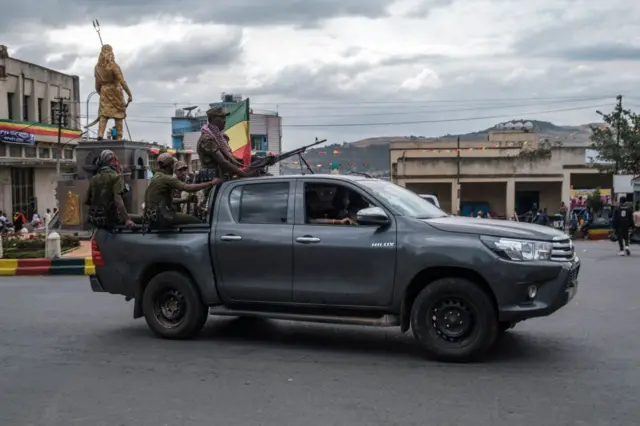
(552, 295)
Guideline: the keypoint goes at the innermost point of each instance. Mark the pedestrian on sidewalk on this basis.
(622, 223)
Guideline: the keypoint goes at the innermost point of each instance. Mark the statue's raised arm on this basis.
(110, 84)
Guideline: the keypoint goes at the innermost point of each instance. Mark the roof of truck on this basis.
(350, 178)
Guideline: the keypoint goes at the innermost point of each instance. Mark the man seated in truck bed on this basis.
(159, 207)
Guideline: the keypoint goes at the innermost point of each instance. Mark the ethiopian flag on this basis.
(237, 129)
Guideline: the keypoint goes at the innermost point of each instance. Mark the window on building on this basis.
(30, 152)
(22, 192)
(264, 203)
(3, 149)
(15, 151)
(66, 123)
(68, 154)
(40, 108)
(3, 72)
(44, 152)
(25, 108)
(10, 106)
(259, 143)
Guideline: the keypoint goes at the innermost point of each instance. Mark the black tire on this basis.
(168, 292)
(477, 321)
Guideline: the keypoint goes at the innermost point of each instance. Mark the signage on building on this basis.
(591, 156)
(11, 136)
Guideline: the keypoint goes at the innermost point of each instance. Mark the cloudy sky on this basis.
(347, 69)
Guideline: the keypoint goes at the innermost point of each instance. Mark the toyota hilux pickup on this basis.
(344, 250)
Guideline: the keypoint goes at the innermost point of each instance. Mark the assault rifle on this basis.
(262, 163)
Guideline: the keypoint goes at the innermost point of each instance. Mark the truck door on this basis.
(252, 241)
(335, 264)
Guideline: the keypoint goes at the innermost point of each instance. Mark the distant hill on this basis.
(371, 155)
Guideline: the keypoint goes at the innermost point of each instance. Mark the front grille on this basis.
(562, 250)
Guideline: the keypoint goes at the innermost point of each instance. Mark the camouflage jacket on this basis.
(103, 188)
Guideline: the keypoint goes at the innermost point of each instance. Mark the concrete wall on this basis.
(5, 189)
(45, 184)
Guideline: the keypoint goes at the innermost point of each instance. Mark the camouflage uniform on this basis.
(158, 199)
(211, 140)
(103, 186)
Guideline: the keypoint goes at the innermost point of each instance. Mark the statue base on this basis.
(73, 190)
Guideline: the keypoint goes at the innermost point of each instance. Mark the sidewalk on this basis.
(83, 251)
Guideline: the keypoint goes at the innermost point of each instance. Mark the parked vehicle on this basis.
(431, 198)
(270, 250)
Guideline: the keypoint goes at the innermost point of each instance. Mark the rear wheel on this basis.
(454, 320)
(172, 307)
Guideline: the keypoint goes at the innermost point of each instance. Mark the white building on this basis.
(29, 134)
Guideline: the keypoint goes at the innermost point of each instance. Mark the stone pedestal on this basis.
(72, 192)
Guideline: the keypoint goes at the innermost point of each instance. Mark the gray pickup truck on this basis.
(279, 248)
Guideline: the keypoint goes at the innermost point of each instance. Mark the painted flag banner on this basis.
(237, 129)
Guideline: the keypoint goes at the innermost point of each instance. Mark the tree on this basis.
(617, 141)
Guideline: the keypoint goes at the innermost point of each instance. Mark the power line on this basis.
(334, 103)
(413, 111)
(397, 123)
(443, 120)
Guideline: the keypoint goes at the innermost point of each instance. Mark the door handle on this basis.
(308, 240)
(231, 238)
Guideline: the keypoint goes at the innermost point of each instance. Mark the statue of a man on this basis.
(109, 85)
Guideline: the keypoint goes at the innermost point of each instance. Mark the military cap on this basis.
(217, 112)
(180, 165)
(166, 159)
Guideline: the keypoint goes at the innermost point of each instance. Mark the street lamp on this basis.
(87, 117)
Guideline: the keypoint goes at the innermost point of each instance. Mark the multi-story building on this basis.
(265, 128)
(512, 170)
(30, 155)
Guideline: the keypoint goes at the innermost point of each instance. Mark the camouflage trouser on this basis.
(155, 221)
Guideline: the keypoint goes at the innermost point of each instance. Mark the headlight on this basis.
(518, 249)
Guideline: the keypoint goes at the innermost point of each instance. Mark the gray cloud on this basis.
(185, 58)
(232, 12)
(594, 53)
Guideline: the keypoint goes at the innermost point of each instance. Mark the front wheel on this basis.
(454, 320)
(172, 306)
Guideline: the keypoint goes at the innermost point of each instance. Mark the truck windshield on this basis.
(402, 201)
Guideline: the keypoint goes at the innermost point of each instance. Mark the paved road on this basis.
(70, 357)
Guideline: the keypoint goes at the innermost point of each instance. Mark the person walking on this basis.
(622, 223)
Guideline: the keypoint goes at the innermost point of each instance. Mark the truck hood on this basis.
(495, 228)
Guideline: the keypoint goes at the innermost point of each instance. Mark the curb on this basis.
(59, 266)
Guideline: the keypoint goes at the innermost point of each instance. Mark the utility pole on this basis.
(59, 113)
(618, 120)
(457, 212)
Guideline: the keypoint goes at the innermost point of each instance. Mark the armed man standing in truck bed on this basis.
(215, 154)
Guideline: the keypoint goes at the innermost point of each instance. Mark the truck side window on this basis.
(264, 203)
(326, 203)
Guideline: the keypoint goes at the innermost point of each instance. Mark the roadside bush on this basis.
(33, 247)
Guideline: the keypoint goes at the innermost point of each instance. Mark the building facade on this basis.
(265, 128)
(30, 155)
(513, 170)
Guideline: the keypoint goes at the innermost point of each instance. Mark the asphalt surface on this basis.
(72, 357)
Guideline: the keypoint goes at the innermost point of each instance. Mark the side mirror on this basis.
(372, 216)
